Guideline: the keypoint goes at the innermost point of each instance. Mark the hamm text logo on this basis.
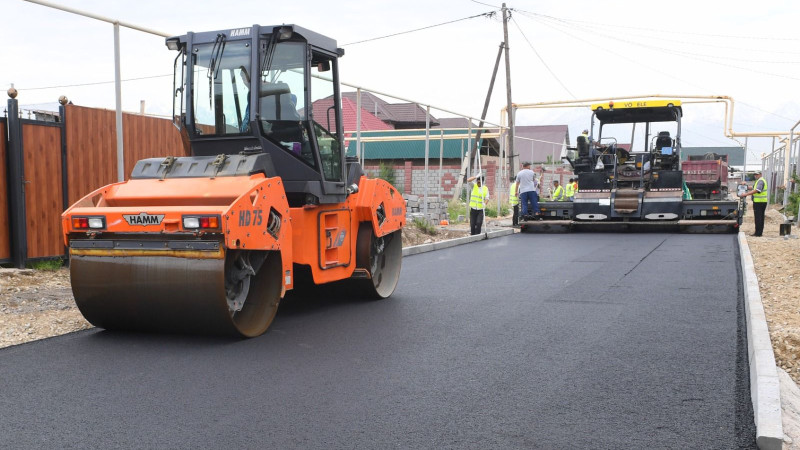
(143, 219)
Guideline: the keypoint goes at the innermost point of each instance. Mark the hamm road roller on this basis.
(212, 242)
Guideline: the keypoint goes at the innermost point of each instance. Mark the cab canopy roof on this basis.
(634, 111)
(286, 30)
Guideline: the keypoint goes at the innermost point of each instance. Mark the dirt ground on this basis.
(35, 304)
(777, 265)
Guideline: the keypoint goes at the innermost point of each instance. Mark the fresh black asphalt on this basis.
(526, 341)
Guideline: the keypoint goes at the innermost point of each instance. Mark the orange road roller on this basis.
(210, 243)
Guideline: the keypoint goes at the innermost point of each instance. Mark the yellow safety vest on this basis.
(570, 190)
(558, 194)
(478, 195)
(512, 195)
(762, 196)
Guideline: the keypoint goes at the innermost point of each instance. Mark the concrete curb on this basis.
(764, 383)
(416, 249)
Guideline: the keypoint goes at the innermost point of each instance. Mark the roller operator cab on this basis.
(629, 176)
(265, 89)
(210, 243)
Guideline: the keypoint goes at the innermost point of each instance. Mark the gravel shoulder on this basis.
(35, 304)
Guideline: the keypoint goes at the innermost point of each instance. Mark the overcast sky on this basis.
(560, 50)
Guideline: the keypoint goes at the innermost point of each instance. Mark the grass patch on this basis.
(456, 208)
(492, 210)
(424, 226)
(47, 265)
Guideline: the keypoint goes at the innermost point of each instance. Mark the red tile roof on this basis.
(396, 114)
(349, 115)
(371, 103)
(368, 121)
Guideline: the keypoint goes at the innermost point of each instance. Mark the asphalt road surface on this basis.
(527, 341)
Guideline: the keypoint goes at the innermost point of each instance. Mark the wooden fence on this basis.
(74, 156)
(43, 199)
(91, 141)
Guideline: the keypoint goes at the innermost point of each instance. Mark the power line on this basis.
(486, 4)
(622, 56)
(572, 35)
(671, 32)
(486, 14)
(648, 34)
(542, 60)
(92, 84)
(765, 111)
(678, 52)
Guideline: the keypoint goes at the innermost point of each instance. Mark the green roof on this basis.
(453, 148)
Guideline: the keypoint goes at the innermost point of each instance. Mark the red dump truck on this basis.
(706, 176)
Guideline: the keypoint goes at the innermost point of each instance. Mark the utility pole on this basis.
(474, 148)
(509, 106)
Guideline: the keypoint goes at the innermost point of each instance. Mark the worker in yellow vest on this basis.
(478, 199)
(569, 190)
(759, 193)
(513, 201)
(558, 192)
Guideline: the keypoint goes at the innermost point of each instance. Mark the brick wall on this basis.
(410, 178)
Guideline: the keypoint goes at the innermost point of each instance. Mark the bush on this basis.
(794, 200)
(385, 172)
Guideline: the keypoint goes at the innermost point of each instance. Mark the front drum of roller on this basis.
(171, 294)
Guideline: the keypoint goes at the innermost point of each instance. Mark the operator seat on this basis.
(279, 107)
(282, 122)
(665, 146)
(584, 161)
(664, 140)
(583, 146)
